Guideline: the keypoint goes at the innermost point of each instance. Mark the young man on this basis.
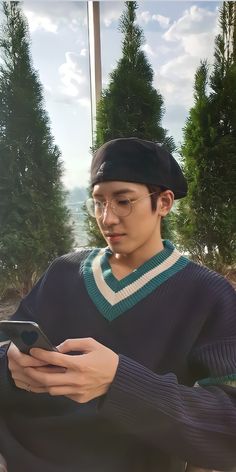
(145, 376)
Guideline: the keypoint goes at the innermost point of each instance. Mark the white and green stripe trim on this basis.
(229, 380)
(113, 297)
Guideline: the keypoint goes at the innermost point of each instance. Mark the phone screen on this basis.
(25, 335)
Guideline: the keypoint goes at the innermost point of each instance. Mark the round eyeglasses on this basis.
(120, 206)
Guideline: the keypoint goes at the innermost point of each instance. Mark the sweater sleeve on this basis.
(6, 381)
(198, 423)
(41, 305)
(28, 309)
(9, 393)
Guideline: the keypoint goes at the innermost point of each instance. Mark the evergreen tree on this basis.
(34, 221)
(130, 105)
(193, 232)
(206, 219)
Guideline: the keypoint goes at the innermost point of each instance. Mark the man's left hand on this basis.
(86, 376)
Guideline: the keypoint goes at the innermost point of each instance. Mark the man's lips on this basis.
(114, 236)
(111, 235)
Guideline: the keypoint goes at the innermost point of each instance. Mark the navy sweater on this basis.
(173, 399)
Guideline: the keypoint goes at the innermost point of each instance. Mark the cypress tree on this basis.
(206, 219)
(223, 102)
(34, 221)
(193, 232)
(130, 105)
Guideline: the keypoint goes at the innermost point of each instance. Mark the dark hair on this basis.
(154, 197)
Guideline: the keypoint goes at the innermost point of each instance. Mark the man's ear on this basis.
(165, 202)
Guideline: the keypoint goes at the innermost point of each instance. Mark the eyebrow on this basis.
(117, 192)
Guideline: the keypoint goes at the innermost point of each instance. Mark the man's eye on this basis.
(97, 204)
(123, 202)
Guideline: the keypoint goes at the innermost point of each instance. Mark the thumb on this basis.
(80, 345)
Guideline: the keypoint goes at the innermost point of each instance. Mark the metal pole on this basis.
(93, 10)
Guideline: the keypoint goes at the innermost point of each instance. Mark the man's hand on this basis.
(17, 364)
(86, 376)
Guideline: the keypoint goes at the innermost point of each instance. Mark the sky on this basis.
(178, 34)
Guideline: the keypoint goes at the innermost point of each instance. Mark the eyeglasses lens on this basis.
(119, 206)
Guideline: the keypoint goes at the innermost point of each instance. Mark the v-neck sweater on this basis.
(113, 297)
(173, 399)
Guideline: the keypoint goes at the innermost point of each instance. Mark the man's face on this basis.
(126, 234)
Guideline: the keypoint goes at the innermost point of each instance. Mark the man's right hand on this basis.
(17, 363)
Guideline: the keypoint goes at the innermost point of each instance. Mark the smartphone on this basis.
(25, 335)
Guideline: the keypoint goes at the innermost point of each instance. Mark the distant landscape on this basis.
(75, 200)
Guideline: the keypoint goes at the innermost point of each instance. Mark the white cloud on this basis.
(77, 174)
(195, 20)
(85, 102)
(148, 50)
(47, 88)
(83, 52)
(37, 22)
(145, 17)
(163, 49)
(181, 67)
(71, 75)
(108, 20)
(73, 88)
(201, 45)
(74, 24)
(193, 33)
(175, 80)
(110, 12)
(52, 15)
(163, 21)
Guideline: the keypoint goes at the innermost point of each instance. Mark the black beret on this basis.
(140, 161)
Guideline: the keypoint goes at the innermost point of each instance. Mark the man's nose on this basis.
(108, 217)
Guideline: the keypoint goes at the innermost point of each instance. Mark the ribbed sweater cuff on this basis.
(190, 423)
(144, 400)
(6, 382)
(132, 387)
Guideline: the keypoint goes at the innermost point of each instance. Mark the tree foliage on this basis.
(34, 221)
(130, 105)
(206, 219)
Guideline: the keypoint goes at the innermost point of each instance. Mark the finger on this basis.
(50, 357)
(51, 369)
(33, 388)
(21, 385)
(78, 344)
(79, 398)
(19, 377)
(47, 379)
(65, 390)
(16, 356)
(28, 384)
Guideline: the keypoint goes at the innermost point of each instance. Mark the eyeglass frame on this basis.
(107, 202)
